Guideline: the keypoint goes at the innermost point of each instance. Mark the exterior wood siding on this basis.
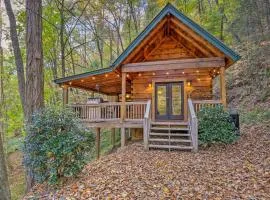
(141, 86)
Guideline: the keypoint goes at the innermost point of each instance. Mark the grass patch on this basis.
(14, 144)
(16, 175)
(257, 115)
(17, 187)
(106, 145)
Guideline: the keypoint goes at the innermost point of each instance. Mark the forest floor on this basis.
(16, 175)
(237, 171)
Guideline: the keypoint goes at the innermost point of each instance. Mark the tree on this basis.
(4, 187)
(17, 51)
(34, 65)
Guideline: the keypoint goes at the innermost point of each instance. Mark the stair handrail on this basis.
(193, 125)
(146, 124)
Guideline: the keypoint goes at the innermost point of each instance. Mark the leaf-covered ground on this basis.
(237, 171)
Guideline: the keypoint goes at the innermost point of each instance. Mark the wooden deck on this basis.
(114, 124)
(125, 115)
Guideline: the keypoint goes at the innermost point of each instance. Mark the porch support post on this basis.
(113, 137)
(123, 105)
(123, 137)
(97, 143)
(65, 95)
(223, 87)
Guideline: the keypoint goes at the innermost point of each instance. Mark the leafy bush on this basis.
(215, 126)
(56, 145)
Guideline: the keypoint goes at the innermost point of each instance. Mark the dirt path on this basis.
(238, 171)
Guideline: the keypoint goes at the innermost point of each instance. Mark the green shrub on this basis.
(56, 145)
(215, 126)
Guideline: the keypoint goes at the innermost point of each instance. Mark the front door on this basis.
(169, 101)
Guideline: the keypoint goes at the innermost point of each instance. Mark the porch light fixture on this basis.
(167, 73)
(183, 72)
(93, 78)
(149, 85)
(139, 74)
(189, 83)
(127, 95)
(118, 75)
(198, 79)
(197, 71)
(106, 75)
(153, 73)
(82, 80)
(70, 83)
(127, 75)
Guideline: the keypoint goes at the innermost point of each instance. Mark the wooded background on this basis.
(83, 35)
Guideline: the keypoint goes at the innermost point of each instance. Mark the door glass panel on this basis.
(161, 100)
(176, 99)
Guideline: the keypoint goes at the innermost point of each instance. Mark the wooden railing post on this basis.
(193, 125)
(223, 87)
(146, 125)
(123, 105)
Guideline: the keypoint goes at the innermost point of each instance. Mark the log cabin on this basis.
(159, 83)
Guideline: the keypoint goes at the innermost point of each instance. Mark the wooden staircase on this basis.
(170, 135)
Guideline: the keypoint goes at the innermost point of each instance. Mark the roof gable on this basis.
(171, 10)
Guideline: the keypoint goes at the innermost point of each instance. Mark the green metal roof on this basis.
(168, 9)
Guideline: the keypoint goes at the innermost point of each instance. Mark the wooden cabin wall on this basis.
(141, 86)
(169, 49)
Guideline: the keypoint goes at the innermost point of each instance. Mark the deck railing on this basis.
(193, 125)
(199, 104)
(109, 111)
(147, 124)
(99, 112)
(135, 110)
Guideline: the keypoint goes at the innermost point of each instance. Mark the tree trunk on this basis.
(4, 187)
(62, 40)
(267, 12)
(17, 52)
(34, 67)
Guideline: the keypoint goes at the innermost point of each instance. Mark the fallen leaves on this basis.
(238, 171)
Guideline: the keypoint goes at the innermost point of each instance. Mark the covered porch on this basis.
(160, 81)
(135, 112)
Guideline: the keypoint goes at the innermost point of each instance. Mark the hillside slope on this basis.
(248, 81)
(237, 171)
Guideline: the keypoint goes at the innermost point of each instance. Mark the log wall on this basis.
(201, 85)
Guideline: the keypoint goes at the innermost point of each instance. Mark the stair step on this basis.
(170, 147)
(170, 128)
(167, 134)
(167, 140)
(170, 123)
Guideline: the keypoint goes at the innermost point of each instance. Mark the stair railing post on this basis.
(193, 125)
(146, 125)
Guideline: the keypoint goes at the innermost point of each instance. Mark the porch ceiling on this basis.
(106, 83)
